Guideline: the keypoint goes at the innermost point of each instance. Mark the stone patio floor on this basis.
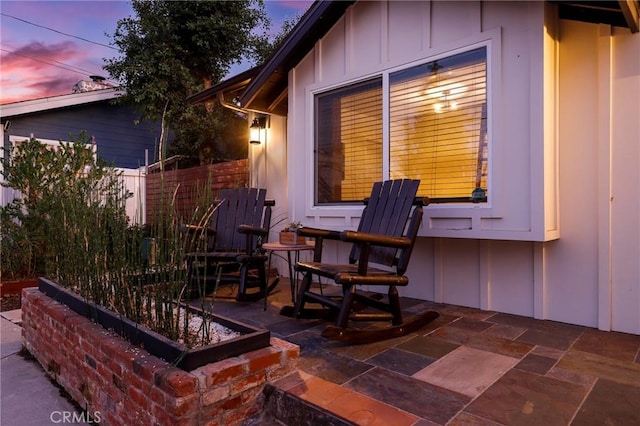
(468, 367)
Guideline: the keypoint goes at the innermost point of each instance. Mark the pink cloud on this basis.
(38, 55)
(37, 70)
(43, 62)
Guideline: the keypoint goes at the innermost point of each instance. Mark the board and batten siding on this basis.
(561, 241)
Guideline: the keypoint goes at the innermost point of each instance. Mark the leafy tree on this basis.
(172, 49)
(265, 44)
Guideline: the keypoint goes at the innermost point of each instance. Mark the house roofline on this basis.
(234, 83)
(55, 102)
(322, 16)
(313, 25)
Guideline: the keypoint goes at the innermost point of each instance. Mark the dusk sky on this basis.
(48, 46)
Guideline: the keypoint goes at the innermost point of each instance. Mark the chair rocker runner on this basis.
(239, 225)
(386, 235)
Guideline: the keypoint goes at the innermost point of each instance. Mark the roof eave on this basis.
(55, 102)
(315, 23)
(631, 12)
(235, 83)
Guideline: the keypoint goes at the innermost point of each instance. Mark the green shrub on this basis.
(70, 224)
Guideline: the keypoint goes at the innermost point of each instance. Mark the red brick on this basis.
(238, 416)
(252, 395)
(248, 382)
(113, 366)
(181, 406)
(111, 346)
(135, 380)
(211, 413)
(291, 350)
(276, 374)
(161, 416)
(176, 382)
(131, 415)
(222, 371)
(139, 401)
(215, 395)
(112, 419)
(231, 403)
(262, 359)
(157, 396)
(147, 366)
(126, 357)
(114, 393)
(72, 321)
(59, 315)
(138, 398)
(87, 330)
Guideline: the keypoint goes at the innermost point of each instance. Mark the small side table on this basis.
(289, 248)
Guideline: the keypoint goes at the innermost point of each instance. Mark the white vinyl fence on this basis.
(134, 180)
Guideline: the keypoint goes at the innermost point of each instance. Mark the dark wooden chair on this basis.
(386, 235)
(230, 245)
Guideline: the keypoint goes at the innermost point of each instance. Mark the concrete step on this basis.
(286, 404)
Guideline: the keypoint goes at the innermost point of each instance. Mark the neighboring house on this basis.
(118, 140)
(520, 118)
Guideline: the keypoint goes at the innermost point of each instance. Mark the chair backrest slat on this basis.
(239, 206)
(387, 213)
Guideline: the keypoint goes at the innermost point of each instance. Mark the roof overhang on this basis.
(620, 13)
(230, 88)
(56, 102)
(268, 90)
(264, 88)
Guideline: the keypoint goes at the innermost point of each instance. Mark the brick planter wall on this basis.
(127, 385)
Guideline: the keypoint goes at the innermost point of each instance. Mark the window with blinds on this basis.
(437, 128)
(348, 142)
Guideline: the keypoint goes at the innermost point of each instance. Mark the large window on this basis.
(437, 132)
(348, 142)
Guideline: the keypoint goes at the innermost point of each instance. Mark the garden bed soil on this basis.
(10, 302)
(10, 293)
(249, 338)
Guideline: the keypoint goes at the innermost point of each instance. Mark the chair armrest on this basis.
(375, 239)
(318, 233)
(248, 229)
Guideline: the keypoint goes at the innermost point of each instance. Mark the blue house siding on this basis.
(120, 141)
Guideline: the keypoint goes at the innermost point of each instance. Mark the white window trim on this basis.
(491, 209)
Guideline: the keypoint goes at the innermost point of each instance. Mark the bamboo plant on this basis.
(72, 213)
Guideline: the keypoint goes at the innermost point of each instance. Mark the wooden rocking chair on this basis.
(386, 237)
(232, 253)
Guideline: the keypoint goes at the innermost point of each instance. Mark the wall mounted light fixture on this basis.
(256, 129)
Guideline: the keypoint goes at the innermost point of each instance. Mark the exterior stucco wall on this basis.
(570, 87)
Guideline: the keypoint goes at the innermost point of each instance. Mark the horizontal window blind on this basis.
(349, 142)
(437, 132)
(438, 125)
